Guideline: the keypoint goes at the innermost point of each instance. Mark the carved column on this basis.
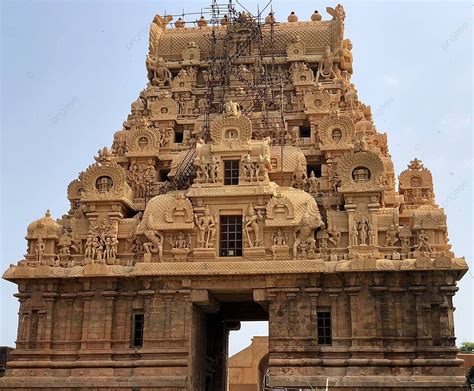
(333, 297)
(69, 297)
(313, 294)
(448, 331)
(147, 294)
(49, 298)
(127, 337)
(421, 334)
(353, 292)
(397, 293)
(109, 297)
(86, 300)
(23, 321)
(377, 293)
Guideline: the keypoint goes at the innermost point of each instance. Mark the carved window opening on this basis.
(231, 236)
(361, 174)
(315, 167)
(33, 336)
(163, 175)
(336, 134)
(231, 172)
(178, 136)
(137, 329)
(142, 142)
(231, 134)
(324, 328)
(305, 131)
(104, 183)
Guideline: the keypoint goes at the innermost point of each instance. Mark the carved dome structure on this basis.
(235, 192)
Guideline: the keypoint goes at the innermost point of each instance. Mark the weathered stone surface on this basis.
(225, 200)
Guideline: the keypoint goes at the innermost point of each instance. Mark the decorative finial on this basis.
(292, 18)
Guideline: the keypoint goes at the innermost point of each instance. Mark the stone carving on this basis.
(253, 228)
(391, 237)
(423, 243)
(206, 225)
(101, 242)
(280, 242)
(298, 180)
(191, 54)
(140, 236)
(304, 245)
(296, 48)
(313, 183)
(141, 178)
(158, 74)
(336, 133)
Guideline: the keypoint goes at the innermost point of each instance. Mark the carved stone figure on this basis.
(231, 109)
(158, 73)
(154, 243)
(423, 243)
(206, 226)
(248, 168)
(251, 224)
(392, 235)
(313, 183)
(304, 244)
(279, 240)
(39, 249)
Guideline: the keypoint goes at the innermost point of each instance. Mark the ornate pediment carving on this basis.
(336, 133)
(164, 109)
(360, 171)
(231, 130)
(142, 142)
(317, 101)
(105, 182)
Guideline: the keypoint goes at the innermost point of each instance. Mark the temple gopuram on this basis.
(249, 183)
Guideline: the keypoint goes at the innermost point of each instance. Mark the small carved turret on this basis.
(292, 17)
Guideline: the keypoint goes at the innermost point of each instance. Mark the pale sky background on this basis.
(71, 69)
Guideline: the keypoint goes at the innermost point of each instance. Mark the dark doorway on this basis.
(228, 310)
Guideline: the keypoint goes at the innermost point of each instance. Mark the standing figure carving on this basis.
(252, 219)
(206, 225)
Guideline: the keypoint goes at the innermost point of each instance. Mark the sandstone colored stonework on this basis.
(248, 183)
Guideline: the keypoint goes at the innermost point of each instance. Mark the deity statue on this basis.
(40, 247)
(180, 241)
(231, 109)
(214, 169)
(248, 168)
(263, 167)
(206, 225)
(279, 239)
(335, 237)
(391, 237)
(325, 68)
(304, 244)
(423, 243)
(158, 74)
(298, 180)
(313, 183)
(251, 221)
(154, 243)
(355, 234)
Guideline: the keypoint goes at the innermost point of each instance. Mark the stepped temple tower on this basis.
(248, 183)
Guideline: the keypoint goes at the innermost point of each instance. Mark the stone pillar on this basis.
(333, 297)
(147, 294)
(448, 311)
(313, 294)
(353, 292)
(109, 297)
(377, 293)
(69, 297)
(397, 293)
(421, 332)
(23, 321)
(86, 300)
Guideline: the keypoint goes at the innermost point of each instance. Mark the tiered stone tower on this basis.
(248, 183)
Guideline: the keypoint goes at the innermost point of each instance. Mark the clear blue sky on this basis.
(70, 70)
